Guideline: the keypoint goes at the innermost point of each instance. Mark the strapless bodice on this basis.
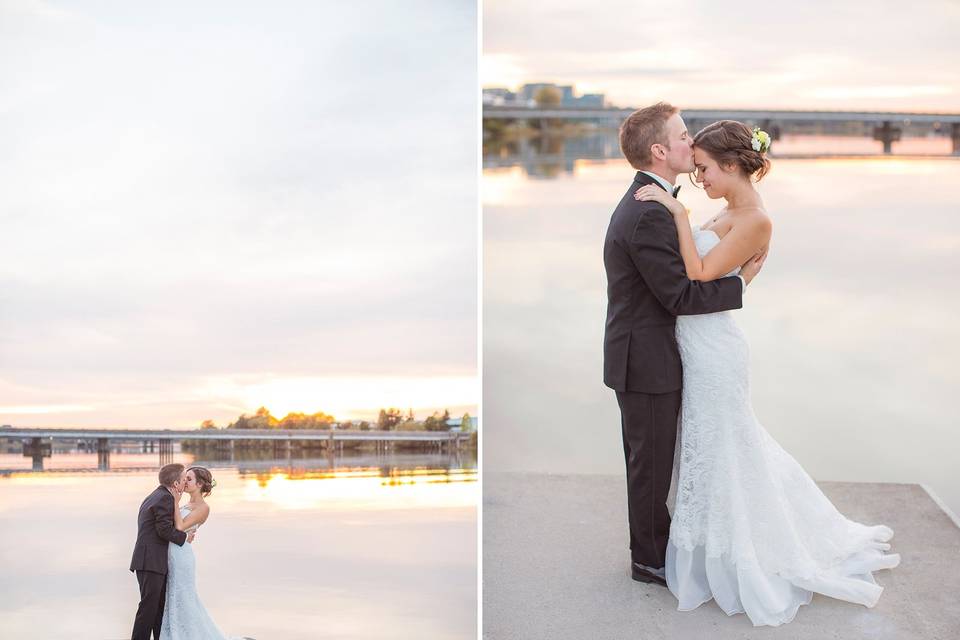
(707, 239)
(184, 512)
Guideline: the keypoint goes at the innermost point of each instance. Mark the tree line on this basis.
(391, 419)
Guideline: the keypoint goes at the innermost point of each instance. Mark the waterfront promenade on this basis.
(556, 566)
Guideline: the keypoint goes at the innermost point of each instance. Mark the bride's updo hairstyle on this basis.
(730, 142)
(204, 480)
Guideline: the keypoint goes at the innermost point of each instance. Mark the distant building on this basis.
(456, 424)
(526, 96)
(528, 92)
(498, 97)
(591, 101)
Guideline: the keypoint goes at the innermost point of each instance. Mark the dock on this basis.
(556, 566)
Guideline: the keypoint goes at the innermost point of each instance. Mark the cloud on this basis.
(711, 54)
(290, 192)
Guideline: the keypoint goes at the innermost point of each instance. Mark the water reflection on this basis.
(357, 545)
(548, 156)
(853, 325)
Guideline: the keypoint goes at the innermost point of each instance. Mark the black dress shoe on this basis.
(640, 574)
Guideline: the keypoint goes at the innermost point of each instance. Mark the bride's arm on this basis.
(739, 245)
(165, 523)
(688, 248)
(196, 517)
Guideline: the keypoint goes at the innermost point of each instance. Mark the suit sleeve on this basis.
(163, 514)
(655, 251)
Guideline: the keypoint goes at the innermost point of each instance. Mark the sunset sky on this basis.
(206, 208)
(815, 55)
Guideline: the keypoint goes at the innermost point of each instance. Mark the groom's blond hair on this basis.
(642, 129)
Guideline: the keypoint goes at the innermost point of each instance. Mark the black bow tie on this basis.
(676, 190)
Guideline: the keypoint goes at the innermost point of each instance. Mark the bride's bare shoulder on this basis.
(756, 221)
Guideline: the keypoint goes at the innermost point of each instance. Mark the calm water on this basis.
(853, 323)
(357, 547)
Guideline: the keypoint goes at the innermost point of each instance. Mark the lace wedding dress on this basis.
(184, 616)
(750, 528)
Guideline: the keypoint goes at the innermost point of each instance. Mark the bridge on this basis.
(38, 441)
(887, 124)
(451, 464)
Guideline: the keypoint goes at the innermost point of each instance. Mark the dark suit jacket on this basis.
(647, 287)
(154, 531)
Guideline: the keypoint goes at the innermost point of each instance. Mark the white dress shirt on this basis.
(663, 181)
(669, 187)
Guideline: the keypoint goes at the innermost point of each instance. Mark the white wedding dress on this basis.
(751, 530)
(184, 616)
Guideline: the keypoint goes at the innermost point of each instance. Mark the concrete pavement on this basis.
(556, 566)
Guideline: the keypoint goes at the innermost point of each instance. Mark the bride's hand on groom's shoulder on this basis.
(655, 193)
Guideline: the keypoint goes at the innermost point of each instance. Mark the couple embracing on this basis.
(749, 529)
(163, 558)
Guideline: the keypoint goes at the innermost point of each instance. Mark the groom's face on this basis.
(680, 150)
(182, 481)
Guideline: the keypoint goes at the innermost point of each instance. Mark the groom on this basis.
(647, 287)
(155, 531)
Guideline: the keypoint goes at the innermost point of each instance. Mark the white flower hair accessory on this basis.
(760, 141)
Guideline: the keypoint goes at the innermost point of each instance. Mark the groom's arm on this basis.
(655, 252)
(163, 514)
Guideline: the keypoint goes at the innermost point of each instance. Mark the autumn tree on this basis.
(548, 97)
(437, 421)
(260, 420)
(389, 419)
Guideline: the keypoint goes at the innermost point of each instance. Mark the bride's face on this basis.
(716, 180)
(190, 484)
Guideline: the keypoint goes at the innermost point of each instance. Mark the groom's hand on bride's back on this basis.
(752, 267)
(190, 536)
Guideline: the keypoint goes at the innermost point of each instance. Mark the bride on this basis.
(750, 528)
(184, 616)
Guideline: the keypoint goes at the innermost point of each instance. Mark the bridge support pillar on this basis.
(165, 448)
(955, 137)
(103, 454)
(37, 449)
(771, 128)
(887, 134)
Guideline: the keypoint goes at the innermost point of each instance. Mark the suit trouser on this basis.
(649, 425)
(153, 592)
